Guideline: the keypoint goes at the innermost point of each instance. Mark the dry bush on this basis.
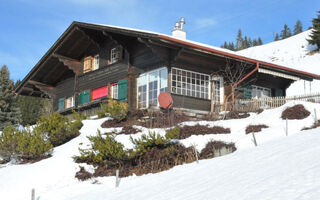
(255, 128)
(208, 151)
(187, 131)
(237, 115)
(295, 112)
(83, 174)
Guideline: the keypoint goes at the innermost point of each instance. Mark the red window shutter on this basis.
(100, 92)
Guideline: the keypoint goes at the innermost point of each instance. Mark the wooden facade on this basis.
(88, 57)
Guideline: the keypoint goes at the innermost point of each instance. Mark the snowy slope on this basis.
(292, 52)
(279, 168)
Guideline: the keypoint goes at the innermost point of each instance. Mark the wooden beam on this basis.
(174, 55)
(88, 37)
(45, 88)
(145, 42)
(71, 63)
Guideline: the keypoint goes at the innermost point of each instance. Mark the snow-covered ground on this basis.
(279, 168)
(293, 52)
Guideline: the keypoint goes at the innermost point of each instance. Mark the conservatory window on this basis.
(258, 92)
(189, 83)
(150, 85)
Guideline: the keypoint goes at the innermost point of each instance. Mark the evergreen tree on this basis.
(245, 43)
(276, 38)
(232, 46)
(249, 42)
(239, 40)
(9, 110)
(225, 45)
(286, 32)
(315, 34)
(297, 28)
(254, 42)
(260, 41)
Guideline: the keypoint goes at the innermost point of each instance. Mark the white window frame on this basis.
(218, 81)
(195, 85)
(72, 102)
(96, 62)
(115, 55)
(147, 89)
(114, 91)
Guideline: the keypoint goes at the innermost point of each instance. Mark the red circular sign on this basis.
(165, 100)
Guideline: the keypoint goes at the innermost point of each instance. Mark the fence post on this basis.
(196, 154)
(254, 139)
(315, 116)
(32, 194)
(117, 178)
(287, 127)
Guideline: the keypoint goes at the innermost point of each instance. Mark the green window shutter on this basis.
(247, 92)
(122, 90)
(84, 97)
(61, 104)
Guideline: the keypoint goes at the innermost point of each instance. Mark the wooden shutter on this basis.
(88, 64)
(61, 104)
(84, 97)
(122, 90)
(100, 92)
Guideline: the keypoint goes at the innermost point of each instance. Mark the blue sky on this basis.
(30, 27)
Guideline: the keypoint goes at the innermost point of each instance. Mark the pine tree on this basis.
(260, 41)
(9, 111)
(232, 46)
(286, 32)
(225, 45)
(276, 38)
(245, 43)
(239, 40)
(31, 108)
(315, 34)
(254, 42)
(297, 28)
(250, 42)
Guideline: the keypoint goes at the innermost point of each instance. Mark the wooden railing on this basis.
(270, 102)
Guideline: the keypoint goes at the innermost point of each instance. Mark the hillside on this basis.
(293, 52)
(279, 168)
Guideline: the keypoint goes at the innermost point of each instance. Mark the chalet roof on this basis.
(204, 48)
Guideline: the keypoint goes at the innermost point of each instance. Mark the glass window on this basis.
(114, 90)
(115, 54)
(96, 62)
(69, 102)
(150, 85)
(190, 83)
(260, 92)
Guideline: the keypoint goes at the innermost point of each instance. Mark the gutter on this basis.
(231, 55)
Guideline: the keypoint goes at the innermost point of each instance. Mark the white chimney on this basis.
(178, 31)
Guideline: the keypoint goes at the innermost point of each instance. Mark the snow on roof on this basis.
(239, 54)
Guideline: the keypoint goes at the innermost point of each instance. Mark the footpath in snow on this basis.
(279, 168)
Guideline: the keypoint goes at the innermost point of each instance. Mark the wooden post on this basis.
(196, 153)
(315, 116)
(32, 194)
(286, 127)
(117, 178)
(254, 139)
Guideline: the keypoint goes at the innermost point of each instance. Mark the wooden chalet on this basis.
(90, 62)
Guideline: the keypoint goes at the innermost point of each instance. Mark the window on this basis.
(114, 90)
(150, 85)
(216, 92)
(115, 55)
(190, 83)
(258, 92)
(96, 62)
(69, 102)
(87, 64)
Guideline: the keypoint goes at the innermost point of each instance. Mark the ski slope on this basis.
(293, 52)
(279, 168)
